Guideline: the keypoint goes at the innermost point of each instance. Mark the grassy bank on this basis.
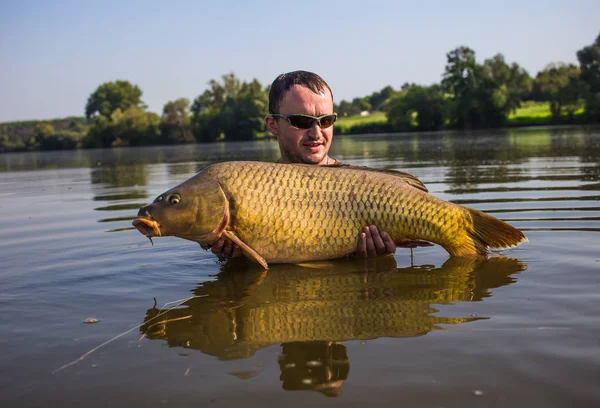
(530, 113)
(538, 114)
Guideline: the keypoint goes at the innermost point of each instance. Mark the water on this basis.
(521, 329)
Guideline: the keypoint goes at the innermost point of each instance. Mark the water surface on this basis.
(415, 329)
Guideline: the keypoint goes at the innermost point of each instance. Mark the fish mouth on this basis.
(147, 227)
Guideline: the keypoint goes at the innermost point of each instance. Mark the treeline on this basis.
(473, 95)
(470, 95)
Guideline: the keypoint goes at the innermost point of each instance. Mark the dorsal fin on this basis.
(408, 178)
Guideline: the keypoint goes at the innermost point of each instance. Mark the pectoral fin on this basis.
(236, 240)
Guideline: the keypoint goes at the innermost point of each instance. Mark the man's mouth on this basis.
(314, 146)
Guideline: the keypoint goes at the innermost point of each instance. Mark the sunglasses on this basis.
(301, 121)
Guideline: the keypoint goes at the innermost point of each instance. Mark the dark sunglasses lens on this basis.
(301, 122)
(327, 121)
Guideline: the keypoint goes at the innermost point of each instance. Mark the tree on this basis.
(483, 95)
(42, 131)
(589, 63)
(132, 127)
(111, 96)
(346, 108)
(460, 79)
(501, 89)
(362, 104)
(175, 122)
(508, 85)
(378, 98)
(232, 108)
(242, 114)
(422, 107)
(560, 85)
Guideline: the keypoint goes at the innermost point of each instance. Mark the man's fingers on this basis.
(390, 245)
(217, 247)
(377, 241)
(237, 251)
(228, 248)
(361, 249)
(371, 251)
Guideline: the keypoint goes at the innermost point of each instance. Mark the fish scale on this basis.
(325, 209)
(289, 213)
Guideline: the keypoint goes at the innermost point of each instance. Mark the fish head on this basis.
(196, 210)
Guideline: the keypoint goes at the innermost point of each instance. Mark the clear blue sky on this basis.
(53, 54)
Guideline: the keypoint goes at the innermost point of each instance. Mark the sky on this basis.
(54, 54)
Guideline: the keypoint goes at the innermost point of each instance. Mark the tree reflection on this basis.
(120, 175)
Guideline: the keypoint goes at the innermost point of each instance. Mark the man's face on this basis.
(308, 146)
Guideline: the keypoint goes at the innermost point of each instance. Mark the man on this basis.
(301, 117)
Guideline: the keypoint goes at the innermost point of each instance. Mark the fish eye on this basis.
(174, 199)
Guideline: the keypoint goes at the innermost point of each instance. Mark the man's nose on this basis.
(314, 131)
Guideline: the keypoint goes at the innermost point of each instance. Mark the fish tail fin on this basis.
(487, 232)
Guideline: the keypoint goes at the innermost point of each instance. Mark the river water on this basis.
(415, 329)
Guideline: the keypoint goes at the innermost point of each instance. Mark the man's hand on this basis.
(372, 243)
(225, 249)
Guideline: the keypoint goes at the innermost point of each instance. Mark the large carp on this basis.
(290, 213)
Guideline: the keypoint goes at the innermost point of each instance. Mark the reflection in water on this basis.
(454, 149)
(311, 308)
(126, 181)
(314, 365)
(120, 175)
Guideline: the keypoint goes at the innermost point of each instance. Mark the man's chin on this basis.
(313, 159)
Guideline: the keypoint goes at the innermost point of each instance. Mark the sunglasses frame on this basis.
(316, 119)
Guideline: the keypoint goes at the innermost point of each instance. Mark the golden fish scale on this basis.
(336, 320)
(287, 213)
(234, 317)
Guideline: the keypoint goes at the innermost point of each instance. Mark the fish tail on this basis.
(486, 232)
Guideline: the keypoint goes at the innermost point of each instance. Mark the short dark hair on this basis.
(282, 84)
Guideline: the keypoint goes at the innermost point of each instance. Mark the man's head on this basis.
(301, 93)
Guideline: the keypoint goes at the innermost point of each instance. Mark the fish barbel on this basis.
(290, 213)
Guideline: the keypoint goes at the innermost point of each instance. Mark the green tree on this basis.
(346, 108)
(589, 63)
(242, 114)
(111, 96)
(422, 107)
(175, 122)
(501, 89)
(483, 95)
(561, 86)
(509, 85)
(362, 104)
(232, 108)
(378, 98)
(42, 131)
(461, 80)
(132, 127)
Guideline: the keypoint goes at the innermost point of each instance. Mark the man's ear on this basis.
(272, 125)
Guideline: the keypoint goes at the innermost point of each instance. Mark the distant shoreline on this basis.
(69, 133)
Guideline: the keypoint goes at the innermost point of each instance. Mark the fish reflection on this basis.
(310, 309)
